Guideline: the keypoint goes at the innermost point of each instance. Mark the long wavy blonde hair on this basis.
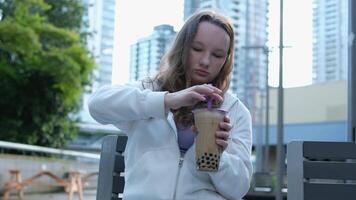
(173, 66)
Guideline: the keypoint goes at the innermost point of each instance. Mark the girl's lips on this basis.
(201, 72)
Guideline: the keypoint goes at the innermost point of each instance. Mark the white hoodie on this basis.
(154, 167)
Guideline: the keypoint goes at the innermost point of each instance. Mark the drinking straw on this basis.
(209, 100)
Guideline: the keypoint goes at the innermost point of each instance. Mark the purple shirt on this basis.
(185, 137)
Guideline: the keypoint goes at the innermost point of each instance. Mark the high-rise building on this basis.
(101, 22)
(100, 18)
(190, 7)
(249, 19)
(147, 52)
(330, 40)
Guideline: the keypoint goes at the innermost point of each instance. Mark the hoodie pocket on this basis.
(152, 176)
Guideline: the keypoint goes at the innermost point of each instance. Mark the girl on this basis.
(156, 116)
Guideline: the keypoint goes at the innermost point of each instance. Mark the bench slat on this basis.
(121, 143)
(118, 184)
(314, 191)
(330, 170)
(329, 150)
(119, 164)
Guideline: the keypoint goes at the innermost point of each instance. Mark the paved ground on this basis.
(88, 195)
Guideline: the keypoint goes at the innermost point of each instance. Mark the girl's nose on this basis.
(205, 59)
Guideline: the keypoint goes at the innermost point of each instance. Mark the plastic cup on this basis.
(207, 151)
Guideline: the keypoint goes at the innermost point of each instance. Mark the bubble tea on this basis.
(207, 151)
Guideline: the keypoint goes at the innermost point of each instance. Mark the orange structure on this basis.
(73, 184)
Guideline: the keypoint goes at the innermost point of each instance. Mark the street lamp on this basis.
(352, 73)
(280, 147)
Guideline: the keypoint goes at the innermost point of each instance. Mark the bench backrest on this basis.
(321, 170)
(111, 169)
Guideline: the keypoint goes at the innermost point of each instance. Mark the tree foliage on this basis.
(44, 68)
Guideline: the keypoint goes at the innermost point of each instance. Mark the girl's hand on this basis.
(192, 95)
(222, 135)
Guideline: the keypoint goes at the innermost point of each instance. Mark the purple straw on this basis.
(208, 98)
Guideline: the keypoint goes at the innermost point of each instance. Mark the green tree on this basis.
(61, 13)
(68, 14)
(44, 69)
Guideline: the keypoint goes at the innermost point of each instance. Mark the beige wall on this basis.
(313, 103)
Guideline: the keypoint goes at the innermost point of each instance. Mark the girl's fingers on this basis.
(222, 144)
(217, 97)
(216, 90)
(225, 126)
(197, 97)
(222, 138)
(206, 90)
(202, 89)
(227, 119)
(194, 129)
(222, 135)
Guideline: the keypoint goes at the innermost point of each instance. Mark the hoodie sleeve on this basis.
(120, 105)
(233, 178)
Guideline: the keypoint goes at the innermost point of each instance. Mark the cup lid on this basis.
(212, 109)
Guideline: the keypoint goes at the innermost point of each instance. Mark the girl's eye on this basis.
(218, 55)
(196, 49)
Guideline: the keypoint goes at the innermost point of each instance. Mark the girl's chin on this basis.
(198, 80)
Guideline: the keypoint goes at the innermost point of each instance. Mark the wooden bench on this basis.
(321, 170)
(111, 180)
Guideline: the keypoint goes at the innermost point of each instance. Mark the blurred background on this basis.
(55, 53)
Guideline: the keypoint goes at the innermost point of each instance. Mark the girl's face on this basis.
(207, 54)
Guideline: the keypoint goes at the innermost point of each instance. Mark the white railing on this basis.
(27, 147)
